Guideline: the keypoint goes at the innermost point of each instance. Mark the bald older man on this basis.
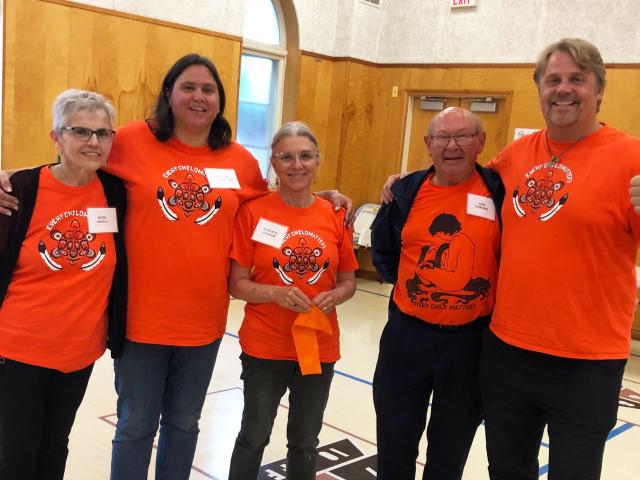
(438, 242)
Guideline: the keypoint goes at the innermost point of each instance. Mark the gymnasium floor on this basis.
(347, 441)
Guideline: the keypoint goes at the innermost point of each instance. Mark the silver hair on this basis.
(294, 129)
(74, 100)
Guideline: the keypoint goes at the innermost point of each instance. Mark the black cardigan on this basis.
(13, 229)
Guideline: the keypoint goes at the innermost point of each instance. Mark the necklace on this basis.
(553, 159)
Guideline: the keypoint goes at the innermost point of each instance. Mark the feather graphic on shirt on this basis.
(95, 261)
(171, 216)
(283, 276)
(211, 213)
(318, 274)
(516, 206)
(49, 262)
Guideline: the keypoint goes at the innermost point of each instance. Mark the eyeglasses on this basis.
(305, 156)
(462, 139)
(104, 135)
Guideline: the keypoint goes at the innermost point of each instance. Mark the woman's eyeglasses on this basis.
(305, 156)
(104, 135)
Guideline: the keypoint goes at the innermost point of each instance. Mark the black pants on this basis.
(265, 382)
(415, 361)
(37, 410)
(522, 391)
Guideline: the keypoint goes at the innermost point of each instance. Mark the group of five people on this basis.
(558, 313)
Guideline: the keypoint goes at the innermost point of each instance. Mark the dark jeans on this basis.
(265, 382)
(417, 360)
(522, 391)
(37, 409)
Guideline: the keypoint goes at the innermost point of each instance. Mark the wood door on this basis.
(418, 155)
(495, 126)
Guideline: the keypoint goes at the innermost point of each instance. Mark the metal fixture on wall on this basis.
(484, 105)
(433, 104)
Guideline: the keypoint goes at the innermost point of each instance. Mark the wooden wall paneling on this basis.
(359, 139)
(107, 55)
(320, 103)
(123, 57)
(334, 140)
(389, 131)
(35, 70)
(619, 105)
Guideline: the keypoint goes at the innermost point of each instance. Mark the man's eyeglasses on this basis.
(462, 139)
(104, 135)
(305, 156)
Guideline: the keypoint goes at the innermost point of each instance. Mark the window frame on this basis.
(277, 53)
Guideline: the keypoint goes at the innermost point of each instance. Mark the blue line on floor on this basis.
(357, 379)
(232, 335)
(613, 433)
(618, 430)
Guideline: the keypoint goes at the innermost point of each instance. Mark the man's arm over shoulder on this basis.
(385, 249)
(496, 188)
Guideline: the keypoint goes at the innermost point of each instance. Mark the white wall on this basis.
(511, 31)
(425, 31)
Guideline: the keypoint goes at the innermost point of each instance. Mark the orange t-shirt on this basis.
(178, 234)
(449, 256)
(567, 282)
(54, 312)
(316, 247)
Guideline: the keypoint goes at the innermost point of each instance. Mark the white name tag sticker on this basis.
(481, 206)
(102, 220)
(222, 178)
(269, 233)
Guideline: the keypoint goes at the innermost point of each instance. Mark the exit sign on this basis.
(463, 3)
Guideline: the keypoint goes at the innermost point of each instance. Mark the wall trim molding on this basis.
(142, 18)
(444, 65)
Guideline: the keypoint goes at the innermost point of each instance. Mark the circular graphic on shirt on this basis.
(187, 194)
(301, 255)
(73, 246)
(543, 191)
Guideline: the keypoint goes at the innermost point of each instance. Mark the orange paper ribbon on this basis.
(304, 330)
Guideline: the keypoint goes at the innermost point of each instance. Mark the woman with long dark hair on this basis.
(180, 218)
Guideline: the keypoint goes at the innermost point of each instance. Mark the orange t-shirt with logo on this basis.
(178, 234)
(567, 284)
(316, 247)
(449, 256)
(54, 312)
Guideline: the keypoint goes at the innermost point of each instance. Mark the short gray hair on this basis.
(74, 100)
(294, 129)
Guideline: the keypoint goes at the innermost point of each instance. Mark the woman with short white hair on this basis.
(62, 287)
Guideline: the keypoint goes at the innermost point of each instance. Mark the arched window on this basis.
(261, 78)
